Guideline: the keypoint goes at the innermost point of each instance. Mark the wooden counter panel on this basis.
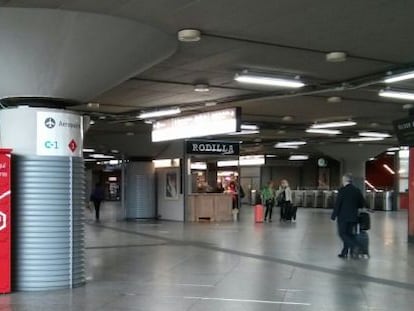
(207, 206)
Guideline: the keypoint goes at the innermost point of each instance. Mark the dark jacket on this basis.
(348, 202)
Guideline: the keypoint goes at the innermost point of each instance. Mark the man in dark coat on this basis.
(347, 204)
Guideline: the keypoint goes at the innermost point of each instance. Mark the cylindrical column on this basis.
(48, 197)
(411, 197)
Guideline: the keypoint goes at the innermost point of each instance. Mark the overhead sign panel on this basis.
(404, 129)
(59, 134)
(198, 125)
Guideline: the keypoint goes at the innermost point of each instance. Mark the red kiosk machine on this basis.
(5, 221)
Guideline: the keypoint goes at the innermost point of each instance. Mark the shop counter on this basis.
(215, 207)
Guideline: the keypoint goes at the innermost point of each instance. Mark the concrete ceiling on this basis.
(289, 37)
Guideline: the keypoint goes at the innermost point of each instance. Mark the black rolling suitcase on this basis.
(364, 221)
(288, 212)
(363, 241)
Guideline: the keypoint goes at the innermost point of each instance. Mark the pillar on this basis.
(411, 197)
(357, 168)
(48, 197)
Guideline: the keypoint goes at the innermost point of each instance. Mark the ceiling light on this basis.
(92, 122)
(389, 169)
(210, 104)
(198, 166)
(89, 160)
(129, 124)
(93, 105)
(101, 156)
(397, 94)
(374, 134)
(148, 121)
(159, 113)
(336, 57)
(271, 156)
(252, 160)
(88, 150)
(298, 157)
(370, 185)
(114, 151)
(277, 146)
(371, 159)
(323, 131)
(202, 88)
(333, 124)
(189, 35)
(130, 134)
(364, 139)
(390, 153)
(251, 127)
(408, 106)
(292, 143)
(393, 149)
(334, 99)
(268, 80)
(287, 118)
(400, 77)
(102, 117)
(244, 132)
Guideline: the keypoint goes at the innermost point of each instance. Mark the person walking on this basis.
(348, 202)
(97, 196)
(268, 199)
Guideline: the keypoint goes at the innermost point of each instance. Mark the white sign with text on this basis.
(59, 134)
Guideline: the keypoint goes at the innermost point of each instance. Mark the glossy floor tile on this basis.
(235, 266)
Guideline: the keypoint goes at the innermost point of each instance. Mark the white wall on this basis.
(169, 209)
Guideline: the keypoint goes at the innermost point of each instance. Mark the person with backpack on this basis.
(268, 199)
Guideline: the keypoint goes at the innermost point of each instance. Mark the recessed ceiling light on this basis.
(334, 99)
(281, 132)
(148, 121)
(374, 134)
(189, 35)
(323, 131)
(374, 124)
(210, 104)
(129, 124)
(88, 150)
(252, 127)
(271, 156)
(408, 106)
(202, 88)
(396, 94)
(92, 122)
(333, 124)
(114, 151)
(130, 134)
(93, 105)
(393, 149)
(268, 80)
(336, 57)
(287, 118)
(102, 117)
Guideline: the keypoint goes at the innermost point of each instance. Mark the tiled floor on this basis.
(235, 266)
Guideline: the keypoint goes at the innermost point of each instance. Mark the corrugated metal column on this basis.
(49, 234)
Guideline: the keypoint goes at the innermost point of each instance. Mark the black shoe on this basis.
(343, 256)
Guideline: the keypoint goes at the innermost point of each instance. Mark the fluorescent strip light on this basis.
(244, 132)
(371, 185)
(163, 163)
(227, 163)
(393, 149)
(404, 154)
(285, 147)
(252, 160)
(400, 77)
(298, 157)
(398, 95)
(269, 81)
(199, 166)
(374, 134)
(101, 156)
(333, 124)
(389, 169)
(159, 113)
(271, 156)
(323, 131)
(364, 139)
(390, 153)
(251, 127)
(291, 143)
(88, 150)
(90, 160)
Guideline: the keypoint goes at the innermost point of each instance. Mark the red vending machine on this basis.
(5, 221)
